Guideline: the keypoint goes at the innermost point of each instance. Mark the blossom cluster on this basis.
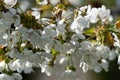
(56, 39)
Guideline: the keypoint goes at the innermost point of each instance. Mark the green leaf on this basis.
(39, 1)
(61, 6)
(54, 52)
(111, 28)
(90, 31)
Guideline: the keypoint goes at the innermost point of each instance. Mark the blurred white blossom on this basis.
(36, 13)
(69, 75)
(10, 3)
(83, 37)
(14, 76)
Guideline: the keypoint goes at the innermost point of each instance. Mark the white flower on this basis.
(71, 51)
(10, 3)
(24, 32)
(16, 65)
(47, 38)
(14, 54)
(81, 36)
(21, 65)
(82, 9)
(43, 2)
(5, 36)
(112, 55)
(6, 77)
(47, 69)
(34, 38)
(92, 15)
(79, 24)
(86, 45)
(61, 21)
(76, 2)
(8, 19)
(104, 14)
(104, 64)
(23, 44)
(17, 76)
(2, 65)
(74, 40)
(63, 60)
(30, 35)
(103, 51)
(69, 75)
(36, 13)
(37, 58)
(95, 14)
(57, 45)
(48, 33)
(73, 47)
(116, 40)
(91, 55)
(89, 8)
(14, 76)
(54, 2)
(66, 47)
(97, 69)
(60, 28)
(84, 66)
(119, 59)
